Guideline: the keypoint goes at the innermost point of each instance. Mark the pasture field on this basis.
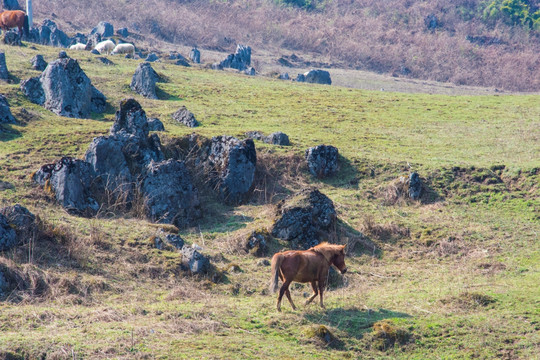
(454, 276)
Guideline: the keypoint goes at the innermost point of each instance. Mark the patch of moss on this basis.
(322, 336)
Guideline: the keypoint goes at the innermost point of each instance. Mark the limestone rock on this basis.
(104, 29)
(5, 112)
(277, 138)
(8, 238)
(169, 194)
(144, 81)
(322, 160)
(154, 124)
(33, 90)
(305, 219)
(317, 77)
(4, 74)
(195, 55)
(415, 186)
(21, 220)
(71, 181)
(193, 261)
(184, 116)
(38, 63)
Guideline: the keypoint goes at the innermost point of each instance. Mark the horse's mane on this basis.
(327, 250)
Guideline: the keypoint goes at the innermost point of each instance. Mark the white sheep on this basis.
(124, 49)
(105, 47)
(78, 46)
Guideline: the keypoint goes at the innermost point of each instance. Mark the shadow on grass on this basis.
(355, 322)
(7, 133)
(163, 95)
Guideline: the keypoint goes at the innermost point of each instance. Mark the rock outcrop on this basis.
(38, 63)
(72, 182)
(315, 77)
(195, 56)
(240, 60)
(195, 262)
(322, 160)
(169, 194)
(305, 219)
(144, 81)
(4, 74)
(184, 116)
(8, 238)
(415, 186)
(21, 220)
(104, 29)
(277, 138)
(64, 88)
(154, 124)
(121, 158)
(12, 38)
(231, 164)
(5, 112)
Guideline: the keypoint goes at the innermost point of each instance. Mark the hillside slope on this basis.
(453, 276)
(436, 40)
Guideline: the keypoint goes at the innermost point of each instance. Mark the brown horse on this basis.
(310, 265)
(14, 18)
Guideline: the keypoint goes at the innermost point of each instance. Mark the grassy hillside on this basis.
(454, 276)
(472, 42)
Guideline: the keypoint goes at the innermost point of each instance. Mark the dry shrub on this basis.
(386, 335)
(384, 232)
(276, 176)
(396, 193)
(468, 300)
(321, 336)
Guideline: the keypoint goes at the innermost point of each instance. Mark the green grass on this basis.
(478, 233)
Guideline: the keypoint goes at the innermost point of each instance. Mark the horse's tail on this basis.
(26, 26)
(277, 259)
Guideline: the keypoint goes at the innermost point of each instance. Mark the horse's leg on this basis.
(288, 293)
(284, 287)
(322, 284)
(315, 292)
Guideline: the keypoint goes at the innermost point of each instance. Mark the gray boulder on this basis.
(130, 119)
(8, 237)
(62, 55)
(21, 220)
(104, 29)
(300, 78)
(184, 116)
(152, 57)
(33, 90)
(317, 77)
(255, 135)
(284, 76)
(194, 262)
(195, 55)
(4, 74)
(169, 194)
(144, 81)
(231, 164)
(5, 113)
(277, 138)
(240, 60)
(257, 243)
(12, 38)
(121, 158)
(322, 160)
(250, 71)
(123, 32)
(305, 219)
(154, 124)
(38, 63)
(79, 38)
(65, 90)
(415, 186)
(431, 22)
(92, 41)
(175, 241)
(72, 183)
(180, 60)
(49, 34)
(11, 5)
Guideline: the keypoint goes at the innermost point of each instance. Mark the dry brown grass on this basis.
(398, 42)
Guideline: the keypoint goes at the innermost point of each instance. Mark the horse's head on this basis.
(339, 259)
